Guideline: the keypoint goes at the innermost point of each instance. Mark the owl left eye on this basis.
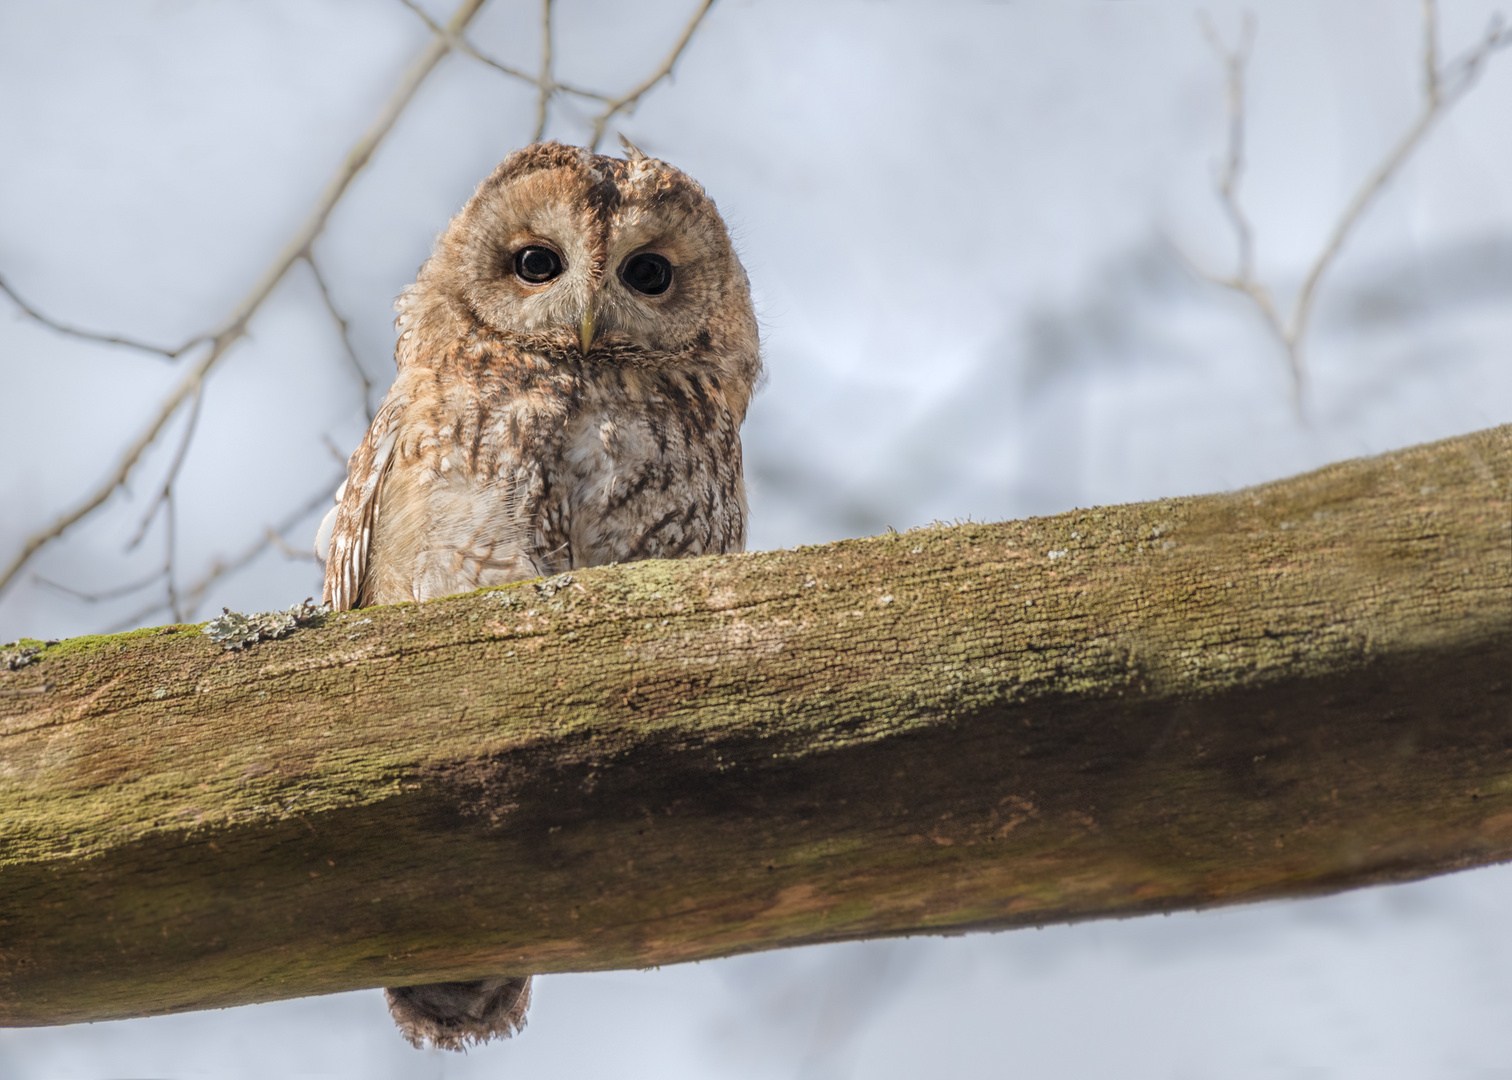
(647, 273)
(537, 264)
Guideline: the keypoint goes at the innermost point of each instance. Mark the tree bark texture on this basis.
(1291, 689)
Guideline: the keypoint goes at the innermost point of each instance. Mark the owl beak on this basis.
(585, 331)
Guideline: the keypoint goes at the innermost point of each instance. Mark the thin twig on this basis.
(457, 41)
(1235, 64)
(93, 335)
(189, 600)
(235, 325)
(346, 337)
(288, 550)
(136, 618)
(1461, 72)
(170, 551)
(100, 597)
(629, 101)
(573, 88)
(165, 490)
(334, 450)
(546, 83)
(462, 45)
(358, 157)
(195, 594)
(1232, 170)
(546, 86)
(189, 385)
(1430, 52)
(1443, 85)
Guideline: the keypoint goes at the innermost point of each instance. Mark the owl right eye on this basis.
(537, 265)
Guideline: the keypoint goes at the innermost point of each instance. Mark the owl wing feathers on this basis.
(351, 533)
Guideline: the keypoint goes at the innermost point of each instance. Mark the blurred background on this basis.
(977, 234)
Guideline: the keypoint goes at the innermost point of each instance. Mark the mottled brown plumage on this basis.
(540, 424)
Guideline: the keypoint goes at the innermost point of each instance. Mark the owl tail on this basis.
(454, 1015)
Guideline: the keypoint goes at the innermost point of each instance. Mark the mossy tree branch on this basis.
(1299, 687)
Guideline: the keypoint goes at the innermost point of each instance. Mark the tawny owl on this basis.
(575, 360)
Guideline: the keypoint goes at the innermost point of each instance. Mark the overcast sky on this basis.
(970, 228)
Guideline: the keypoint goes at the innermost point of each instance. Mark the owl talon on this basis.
(456, 1015)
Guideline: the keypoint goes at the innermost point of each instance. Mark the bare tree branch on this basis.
(183, 604)
(461, 44)
(458, 41)
(1461, 73)
(173, 600)
(334, 450)
(165, 500)
(358, 157)
(170, 549)
(188, 386)
(92, 335)
(165, 490)
(219, 568)
(628, 102)
(1232, 169)
(235, 325)
(137, 617)
(546, 85)
(104, 595)
(288, 550)
(1430, 51)
(346, 337)
(1443, 86)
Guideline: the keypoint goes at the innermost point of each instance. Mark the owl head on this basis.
(620, 260)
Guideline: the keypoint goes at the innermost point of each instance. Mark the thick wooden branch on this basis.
(1296, 688)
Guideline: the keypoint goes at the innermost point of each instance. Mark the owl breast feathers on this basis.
(575, 361)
